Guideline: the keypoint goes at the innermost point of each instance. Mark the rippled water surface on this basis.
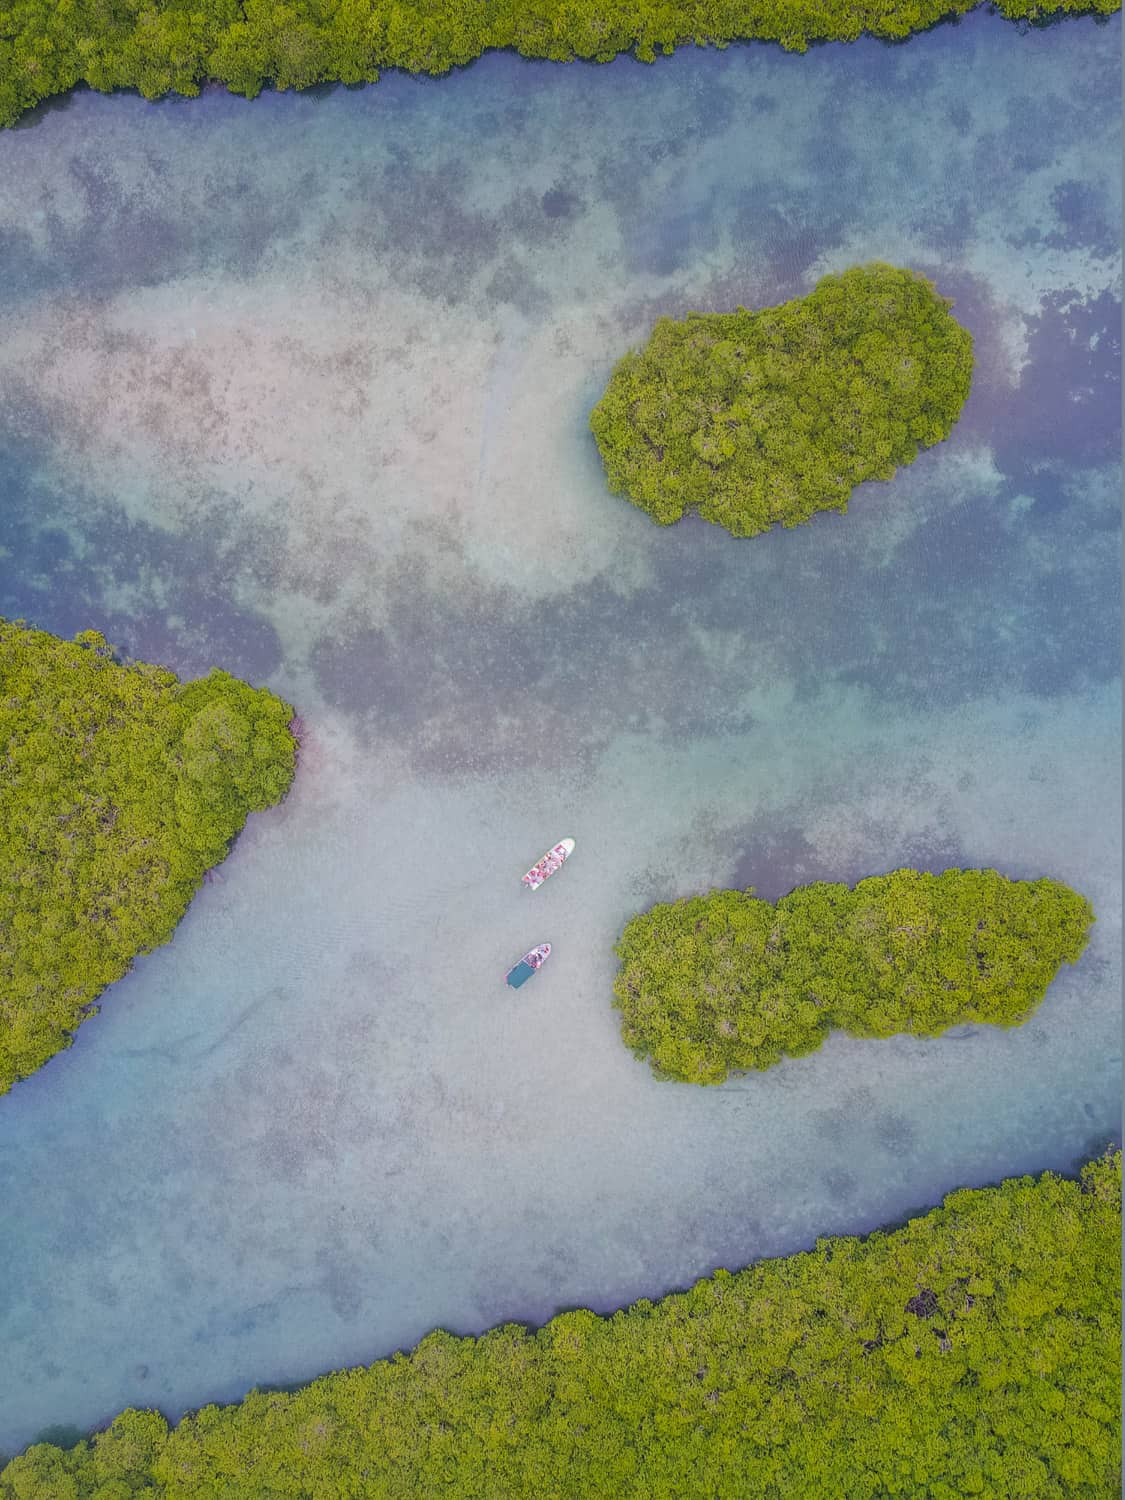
(300, 387)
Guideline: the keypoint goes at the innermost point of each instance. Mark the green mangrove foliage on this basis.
(973, 1352)
(754, 418)
(163, 46)
(727, 982)
(119, 787)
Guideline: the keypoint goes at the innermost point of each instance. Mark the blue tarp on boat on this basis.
(520, 974)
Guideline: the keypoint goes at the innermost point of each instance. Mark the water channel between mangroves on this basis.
(299, 387)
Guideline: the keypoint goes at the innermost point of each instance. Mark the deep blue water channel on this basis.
(300, 387)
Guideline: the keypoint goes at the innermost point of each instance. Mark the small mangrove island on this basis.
(756, 418)
(974, 1351)
(120, 787)
(175, 46)
(727, 982)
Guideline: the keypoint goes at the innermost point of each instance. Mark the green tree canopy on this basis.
(727, 982)
(158, 46)
(754, 418)
(973, 1352)
(119, 788)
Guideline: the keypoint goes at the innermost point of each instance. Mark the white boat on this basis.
(553, 860)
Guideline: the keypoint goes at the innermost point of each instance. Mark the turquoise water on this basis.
(300, 387)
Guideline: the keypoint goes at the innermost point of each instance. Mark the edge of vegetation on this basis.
(972, 1352)
(120, 787)
(175, 46)
(728, 982)
(756, 418)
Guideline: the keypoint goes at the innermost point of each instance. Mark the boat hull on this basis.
(529, 964)
(553, 860)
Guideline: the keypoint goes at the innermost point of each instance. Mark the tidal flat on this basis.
(300, 388)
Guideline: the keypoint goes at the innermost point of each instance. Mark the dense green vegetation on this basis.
(727, 982)
(973, 1352)
(754, 418)
(158, 46)
(119, 787)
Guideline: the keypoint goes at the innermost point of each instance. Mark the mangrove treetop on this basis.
(727, 982)
(119, 787)
(973, 1352)
(754, 418)
(158, 46)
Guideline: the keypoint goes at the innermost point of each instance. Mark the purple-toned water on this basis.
(300, 387)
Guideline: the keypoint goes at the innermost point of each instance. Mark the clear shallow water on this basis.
(300, 387)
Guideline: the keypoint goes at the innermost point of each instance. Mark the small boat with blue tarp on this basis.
(534, 959)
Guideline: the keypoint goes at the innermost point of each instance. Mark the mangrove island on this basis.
(755, 418)
(727, 982)
(122, 786)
